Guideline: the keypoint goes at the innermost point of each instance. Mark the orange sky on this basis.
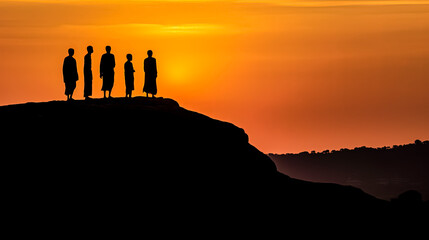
(296, 75)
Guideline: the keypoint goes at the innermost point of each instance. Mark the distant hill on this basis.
(383, 172)
(147, 164)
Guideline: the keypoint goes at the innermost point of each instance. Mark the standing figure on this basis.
(87, 73)
(107, 72)
(151, 74)
(129, 76)
(70, 74)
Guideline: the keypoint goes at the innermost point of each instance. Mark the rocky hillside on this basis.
(116, 160)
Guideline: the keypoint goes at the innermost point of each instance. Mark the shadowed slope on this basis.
(106, 160)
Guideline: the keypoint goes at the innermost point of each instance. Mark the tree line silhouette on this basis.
(107, 74)
(384, 171)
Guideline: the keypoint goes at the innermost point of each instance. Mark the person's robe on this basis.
(151, 74)
(107, 65)
(87, 75)
(129, 76)
(70, 74)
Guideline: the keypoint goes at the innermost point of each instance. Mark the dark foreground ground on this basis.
(150, 165)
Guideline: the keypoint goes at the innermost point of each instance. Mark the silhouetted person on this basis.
(87, 73)
(150, 75)
(70, 74)
(107, 72)
(129, 76)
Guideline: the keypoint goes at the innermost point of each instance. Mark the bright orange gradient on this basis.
(296, 75)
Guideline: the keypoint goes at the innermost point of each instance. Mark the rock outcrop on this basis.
(119, 160)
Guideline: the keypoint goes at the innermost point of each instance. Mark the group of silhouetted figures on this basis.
(107, 73)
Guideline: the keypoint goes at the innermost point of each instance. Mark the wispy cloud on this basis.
(309, 3)
(328, 3)
(141, 29)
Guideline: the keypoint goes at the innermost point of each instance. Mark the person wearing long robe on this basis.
(129, 76)
(87, 73)
(151, 74)
(107, 72)
(70, 74)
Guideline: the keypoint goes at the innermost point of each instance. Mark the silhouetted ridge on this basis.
(108, 161)
(384, 172)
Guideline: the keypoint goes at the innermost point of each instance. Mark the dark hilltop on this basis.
(119, 161)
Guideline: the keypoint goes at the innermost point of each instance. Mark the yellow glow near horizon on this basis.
(179, 72)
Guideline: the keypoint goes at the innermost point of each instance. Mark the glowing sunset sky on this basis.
(295, 75)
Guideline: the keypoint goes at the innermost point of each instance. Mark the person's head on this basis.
(90, 49)
(71, 52)
(150, 53)
(129, 57)
(108, 49)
